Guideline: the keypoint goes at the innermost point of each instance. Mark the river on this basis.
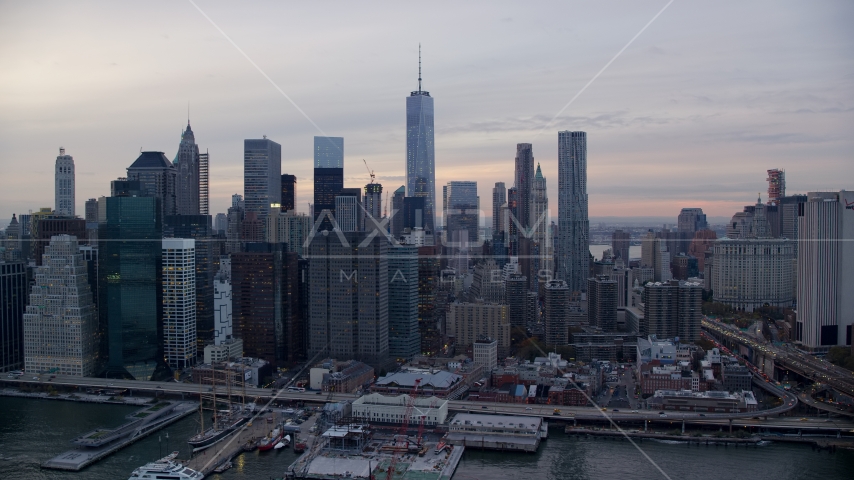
(32, 431)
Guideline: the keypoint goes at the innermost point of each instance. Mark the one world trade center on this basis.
(420, 151)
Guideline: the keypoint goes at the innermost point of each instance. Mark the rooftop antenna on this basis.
(419, 68)
(188, 113)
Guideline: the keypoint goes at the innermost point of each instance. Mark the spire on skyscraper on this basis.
(419, 67)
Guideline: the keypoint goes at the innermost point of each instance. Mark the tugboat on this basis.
(271, 440)
(299, 445)
(166, 468)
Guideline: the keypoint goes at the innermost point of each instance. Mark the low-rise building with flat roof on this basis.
(496, 432)
(375, 408)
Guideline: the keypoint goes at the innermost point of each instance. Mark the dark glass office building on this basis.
(13, 303)
(266, 303)
(129, 278)
(289, 192)
(328, 183)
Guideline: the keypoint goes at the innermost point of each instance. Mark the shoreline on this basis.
(77, 397)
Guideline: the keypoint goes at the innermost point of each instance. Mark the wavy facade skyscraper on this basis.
(573, 225)
(420, 150)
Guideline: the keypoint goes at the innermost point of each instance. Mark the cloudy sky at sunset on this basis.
(691, 114)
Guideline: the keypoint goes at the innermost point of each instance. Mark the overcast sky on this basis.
(691, 114)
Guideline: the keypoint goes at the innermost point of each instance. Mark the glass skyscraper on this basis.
(129, 271)
(420, 150)
(328, 152)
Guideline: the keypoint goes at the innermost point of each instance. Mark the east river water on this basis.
(32, 431)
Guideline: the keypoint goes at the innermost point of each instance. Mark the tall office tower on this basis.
(826, 270)
(237, 201)
(373, 206)
(204, 183)
(776, 185)
(523, 181)
(420, 150)
(499, 198)
(543, 264)
(348, 276)
(511, 225)
(404, 340)
(328, 183)
(429, 313)
(573, 226)
(672, 309)
(556, 312)
(515, 288)
(64, 185)
(198, 228)
(129, 279)
(47, 228)
(187, 166)
(60, 325)
(749, 273)
(620, 243)
(396, 213)
(461, 213)
(602, 303)
(157, 178)
(265, 303)
(691, 220)
(13, 303)
(328, 152)
(289, 192)
(347, 213)
(223, 309)
(262, 176)
(179, 302)
(91, 210)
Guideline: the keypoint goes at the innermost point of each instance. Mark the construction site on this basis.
(390, 439)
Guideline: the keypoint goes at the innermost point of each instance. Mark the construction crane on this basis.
(404, 426)
(371, 172)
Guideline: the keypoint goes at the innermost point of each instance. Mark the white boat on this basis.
(166, 469)
(284, 443)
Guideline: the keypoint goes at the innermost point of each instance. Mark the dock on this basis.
(97, 444)
(241, 440)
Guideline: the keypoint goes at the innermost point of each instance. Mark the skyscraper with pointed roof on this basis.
(187, 170)
(420, 150)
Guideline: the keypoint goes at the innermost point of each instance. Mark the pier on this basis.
(243, 439)
(97, 444)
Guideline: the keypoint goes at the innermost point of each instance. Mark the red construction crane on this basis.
(404, 426)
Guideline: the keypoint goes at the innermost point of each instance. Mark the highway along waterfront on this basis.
(33, 431)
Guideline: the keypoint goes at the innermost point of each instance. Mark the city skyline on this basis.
(645, 109)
